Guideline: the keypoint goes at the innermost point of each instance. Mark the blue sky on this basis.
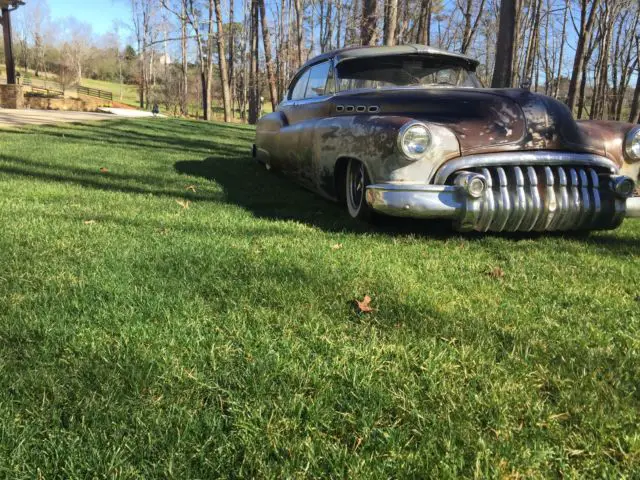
(100, 14)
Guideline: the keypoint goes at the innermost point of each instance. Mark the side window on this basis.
(318, 80)
(297, 92)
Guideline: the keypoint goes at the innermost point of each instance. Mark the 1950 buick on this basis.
(410, 131)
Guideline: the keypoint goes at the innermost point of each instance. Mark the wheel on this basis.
(356, 182)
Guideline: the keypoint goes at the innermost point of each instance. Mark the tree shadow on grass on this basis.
(93, 178)
(270, 195)
(153, 135)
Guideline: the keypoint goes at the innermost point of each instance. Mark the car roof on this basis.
(374, 51)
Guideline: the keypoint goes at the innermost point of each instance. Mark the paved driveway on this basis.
(13, 118)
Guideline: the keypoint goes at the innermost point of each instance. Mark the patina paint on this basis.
(307, 138)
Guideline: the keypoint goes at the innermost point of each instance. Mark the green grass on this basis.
(141, 339)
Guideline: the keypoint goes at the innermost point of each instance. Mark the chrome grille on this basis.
(544, 198)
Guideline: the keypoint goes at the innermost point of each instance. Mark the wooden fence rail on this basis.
(95, 92)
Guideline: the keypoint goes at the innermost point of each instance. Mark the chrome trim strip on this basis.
(633, 207)
(540, 157)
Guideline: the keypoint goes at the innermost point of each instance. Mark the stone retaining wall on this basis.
(11, 96)
(82, 104)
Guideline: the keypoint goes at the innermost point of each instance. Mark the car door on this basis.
(288, 135)
(306, 113)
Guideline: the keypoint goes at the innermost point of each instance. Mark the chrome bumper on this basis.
(531, 208)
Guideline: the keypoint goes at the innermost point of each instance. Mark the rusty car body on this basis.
(409, 131)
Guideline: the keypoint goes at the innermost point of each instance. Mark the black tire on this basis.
(356, 182)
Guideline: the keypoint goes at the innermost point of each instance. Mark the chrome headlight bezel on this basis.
(632, 136)
(401, 139)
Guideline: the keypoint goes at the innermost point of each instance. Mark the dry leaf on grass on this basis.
(89, 222)
(104, 170)
(496, 272)
(191, 188)
(364, 305)
(337, 246)
(183, 203)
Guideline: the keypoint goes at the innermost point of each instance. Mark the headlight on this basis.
(414, 140)
(632, 145)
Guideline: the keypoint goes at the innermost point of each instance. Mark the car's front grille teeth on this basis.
(543, 198)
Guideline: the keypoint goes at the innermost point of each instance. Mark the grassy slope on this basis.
(142, 339)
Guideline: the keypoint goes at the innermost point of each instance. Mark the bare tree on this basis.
(222, 60)
(470, 26)
(368, 25)
(254, 90)
(266, 39)
(141, 13)
(587, 18)
(390, 21)
(502, 74)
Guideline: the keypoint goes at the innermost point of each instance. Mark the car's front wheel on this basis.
(356, 182)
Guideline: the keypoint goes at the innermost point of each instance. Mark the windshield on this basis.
(405, 71)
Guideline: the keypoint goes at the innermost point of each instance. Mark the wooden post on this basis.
(8, 49)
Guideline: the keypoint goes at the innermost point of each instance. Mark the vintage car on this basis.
(410, 131)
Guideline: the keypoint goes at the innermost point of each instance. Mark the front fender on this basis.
(611, 136)
(372, 139)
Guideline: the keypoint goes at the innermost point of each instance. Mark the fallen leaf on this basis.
(191, 188)
(104, 170)
(336, 246)
(89, 222)
(183, 203)
(496, 272)
(364, 305)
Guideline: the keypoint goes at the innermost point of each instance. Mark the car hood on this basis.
(486, 120)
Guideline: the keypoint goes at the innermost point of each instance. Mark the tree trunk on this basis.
(562, 42)
(184, 90)
(502, 73)
(390, 22)
(634, 114)
(368, 24)
(224, 74)
(232, 40)
(299, 13)
(254, 94)
(584, 35)
(8, 50)
(266, 39)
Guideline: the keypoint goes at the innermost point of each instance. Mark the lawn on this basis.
(184, 314)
